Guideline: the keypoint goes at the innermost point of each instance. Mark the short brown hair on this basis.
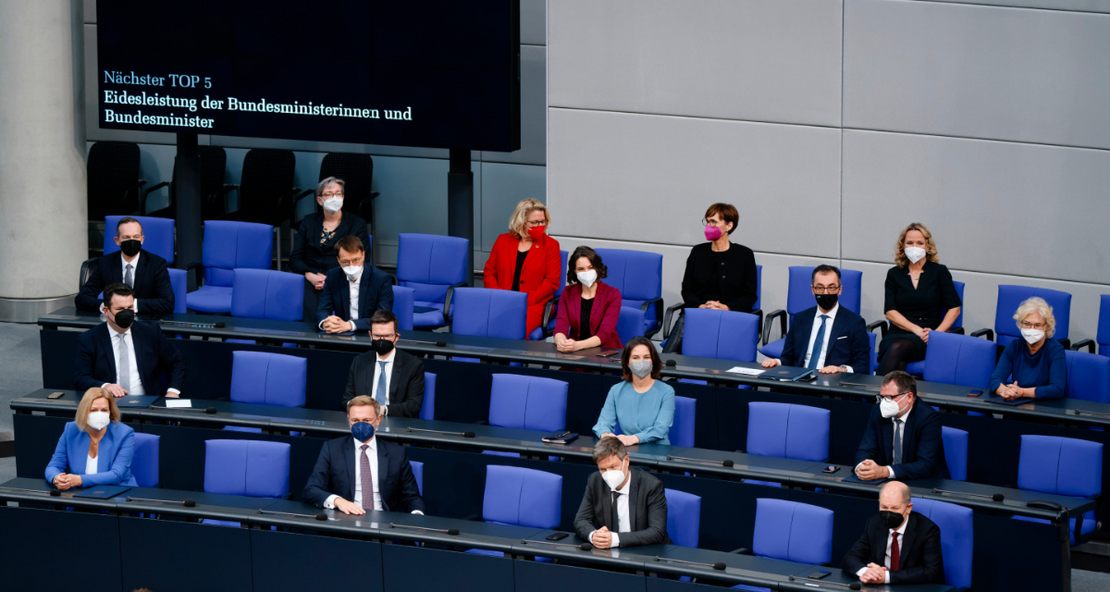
(656, 361)
(384, 317)
(82, 416)
(351, 244)
(905, 382)
(727, 212)
(595, 260)
(610, 446)
(364, 400)
(128, 220)
(323, 184)
(116, 289)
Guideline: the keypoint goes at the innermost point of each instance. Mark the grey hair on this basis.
(610, 446)
(1038, 305)
(328, 181)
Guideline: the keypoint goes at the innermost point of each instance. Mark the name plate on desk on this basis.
(178, 403)
(746, 371)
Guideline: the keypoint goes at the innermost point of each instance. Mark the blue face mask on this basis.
(362, 431)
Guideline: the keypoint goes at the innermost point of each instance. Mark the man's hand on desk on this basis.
(349, 508)
(869, 470)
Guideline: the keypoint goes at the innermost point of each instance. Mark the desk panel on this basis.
(41, 548)
(298, 562)
(184, 557)
(545, 577)
(422, 568)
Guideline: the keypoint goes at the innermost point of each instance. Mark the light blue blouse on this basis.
(648, 415)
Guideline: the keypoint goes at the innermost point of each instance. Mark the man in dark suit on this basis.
(622, 507)
(355, 280)
(902, 439)
(393, 378)
(828, 338)
(358, 473)
(898, 546)
(146, 274)
(125, 356)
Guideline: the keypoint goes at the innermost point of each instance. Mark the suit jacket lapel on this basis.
(349, 464)
(105, 338)
(394, 372)
(140, 355)
(907, 539)
(886, 432)
(364, 291)
(383, 470)
(634, 489)
(116, 271)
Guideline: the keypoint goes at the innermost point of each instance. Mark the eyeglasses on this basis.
(349, 262)
(879, 398)
(330, 195)
(1028, 325)
(354, 421)
(388, 336)
(535, 223)
(825, 289)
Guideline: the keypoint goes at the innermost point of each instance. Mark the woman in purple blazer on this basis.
(95, 448)
(589, 308)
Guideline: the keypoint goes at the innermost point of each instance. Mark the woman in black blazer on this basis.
(314, 244)
(920, 299)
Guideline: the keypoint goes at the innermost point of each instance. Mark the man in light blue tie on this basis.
(827, 337)
(393, 378)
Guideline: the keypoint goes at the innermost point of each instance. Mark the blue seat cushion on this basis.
(210, 299)
(773, 349)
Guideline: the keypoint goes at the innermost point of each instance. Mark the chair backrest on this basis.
(1088, 376)
(428, 406)
(955, 451)
(1065, 466)
(525, 497)
(231, 245)
(960, 292)
(179, 283)
(563, 278)
(957, 537)
(357, 172)
(267, 294)
(786, 430)
(1010, 297)
(403, 303)
(528, 402)
(639, 277)
(685, 416)
(418, 474)
(430, 263)
(266, 180)
(158, 235)
(1103, 333)
(721, 334)
(144, 463)
(487, 312)
(959, 359)
(268, 379)
(683, 517)
(246, 467)
(113, 178)
(799, 295)
(792, 531)
(630, 323)
(758, 288)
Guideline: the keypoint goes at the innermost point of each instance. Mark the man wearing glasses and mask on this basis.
(391, 377)
(902, 439)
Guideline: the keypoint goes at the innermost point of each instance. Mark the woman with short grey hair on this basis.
(1032, 367)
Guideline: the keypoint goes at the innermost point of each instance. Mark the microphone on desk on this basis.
(994, 497)
(670, 363)
(812, 583)
(51, 492)
(447, 531)
(188, 503)
(321, 516)
(719, 566)
(441, 344)
(579, 546)
(705, 461)
(443, 432)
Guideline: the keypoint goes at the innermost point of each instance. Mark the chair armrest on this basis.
(882, 326)
(155, 187)
(987, 333)
(1066, 343)
(957, 330)
(759, 321)
(741, 551)
(447, 306)
(198, 267)
(767, 323)
(1084, 343)
(548, 310)
(658, 303)
(668, 326)
(670, 346)
(85, 272)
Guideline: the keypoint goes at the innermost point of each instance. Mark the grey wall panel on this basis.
(533, 110)
(1073, 5)
(761, 60)
(1013, 209)
(649, 178)
(503, 186)
(977, 71)
(533, 22)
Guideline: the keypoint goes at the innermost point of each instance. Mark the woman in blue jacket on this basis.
(1034, 366)
(95, 448)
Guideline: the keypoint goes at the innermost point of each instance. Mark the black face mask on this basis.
(826, 301)
(382, 346)
(124, 318)
(891, 519)
(130, 247)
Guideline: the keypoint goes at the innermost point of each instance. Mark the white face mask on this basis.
(353, 272)
(587, 278)
(1032, 335)
(613, 478)
(915, 254)
(98, 420)
(333, 204)
(889, 408)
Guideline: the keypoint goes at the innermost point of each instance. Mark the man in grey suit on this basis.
(622, 506)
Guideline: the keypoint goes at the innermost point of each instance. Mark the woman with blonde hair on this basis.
(1034, 366)
(94, 448)
(920, 298)
(525, 259)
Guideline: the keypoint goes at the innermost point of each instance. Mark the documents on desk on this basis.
(178, 403)
(746, 371)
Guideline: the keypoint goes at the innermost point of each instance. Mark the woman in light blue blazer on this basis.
(641, 405)
(95, 448)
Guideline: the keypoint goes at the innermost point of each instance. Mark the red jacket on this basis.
(603, 316)
(539, 278)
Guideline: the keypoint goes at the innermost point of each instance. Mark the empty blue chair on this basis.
(144, 463)
(528, 402)
(1010, 297)
(268, 379)
(955, 451)
(918, 368)
(486, 312)
(957, 537)
(639, 277)
(1088, 376)
(267, 294)
(524, 497)
(1064, 466)
(630, 323)
(158, 235)
(253, 468)
(1102, 332)
(229, 246)
(428, 406)
(418, 474)
(431, 264)
(180, 285)
(403, 307)
(720, 334)
(792, 531)
(682, 427)
(959, 359)
(799, 297)
(786, 430)
(683, 517)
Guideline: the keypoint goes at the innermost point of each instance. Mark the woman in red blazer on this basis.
(586, 297)
(526, 260)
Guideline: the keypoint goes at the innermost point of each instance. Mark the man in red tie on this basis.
(898, 545)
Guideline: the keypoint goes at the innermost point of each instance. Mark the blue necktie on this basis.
(815, 352)
(382, 394)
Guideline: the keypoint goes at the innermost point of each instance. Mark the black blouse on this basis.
(584, 323)
(727, 277)
(926, 305)
(314, 249)
(520, 257)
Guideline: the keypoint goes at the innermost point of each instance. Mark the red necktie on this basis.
(895, 554)
(367, 479)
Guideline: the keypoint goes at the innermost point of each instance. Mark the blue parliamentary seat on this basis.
(228, 246)
(431, 265)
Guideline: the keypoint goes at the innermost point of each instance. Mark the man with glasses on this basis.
(902, 439)
(353, 291)
(393, 378)
(827, 337)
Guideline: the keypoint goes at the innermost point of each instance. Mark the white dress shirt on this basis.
(354, 286)
(388, 359)
(90, 465)
(134, 381)
(624, 519)
(134, 263)
(901, 530)
(828, 334)
(372, 452)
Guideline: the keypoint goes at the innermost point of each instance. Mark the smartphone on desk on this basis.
(56, 395)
